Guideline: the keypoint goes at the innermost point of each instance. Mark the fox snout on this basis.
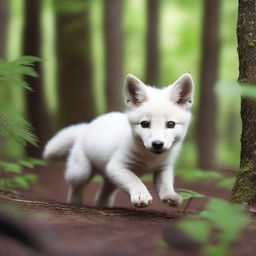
(157, 144)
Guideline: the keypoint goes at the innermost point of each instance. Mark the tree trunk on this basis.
(113, 54)
(206, 123)
(4, 15)
(244, 189)
(36, 108)
(152, 43)
(74, 75)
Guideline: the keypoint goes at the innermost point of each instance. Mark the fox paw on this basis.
(172, 200)
(141, 199)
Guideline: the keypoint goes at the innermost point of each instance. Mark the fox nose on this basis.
(157, 144)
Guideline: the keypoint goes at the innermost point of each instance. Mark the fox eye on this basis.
(170, 124)
(144, 124)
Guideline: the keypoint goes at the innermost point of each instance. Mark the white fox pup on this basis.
(123, 146)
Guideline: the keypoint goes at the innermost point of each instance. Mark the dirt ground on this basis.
(55, 228)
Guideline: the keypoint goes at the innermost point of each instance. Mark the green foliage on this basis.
(31, 162)
(187, 194)
(198, 229)
(11, 167)
(213, 250)
(11, 71)
(11, 184)
(12, 176)
(227, 218)
(220, 219)
(14, 127)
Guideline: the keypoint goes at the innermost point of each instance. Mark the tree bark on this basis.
(75, 81)
(4, 17)
(36, 108)
(206, 123)
(113, 54)
(244, 189)
(152, 43)
(4, 14)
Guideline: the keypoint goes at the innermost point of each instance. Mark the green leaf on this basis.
(187, 194)
(30, 177)
(14, 81)
(27, 60)
(26, 163)
(36, 161)
(11, 72)
(215, 250)
(26, 71)
(15, 127)
(21, 182)
(8, 189)
(230, 219)
(197, 229)
(8, 184)
(11, 167)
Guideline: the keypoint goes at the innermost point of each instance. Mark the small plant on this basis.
(187, 194)
(14, 127)
(12, 176)
(217, 228)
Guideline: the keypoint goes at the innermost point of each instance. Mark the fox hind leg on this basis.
(78, 174)
(75, 194)
(105, 197)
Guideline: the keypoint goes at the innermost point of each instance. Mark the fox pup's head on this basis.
(159, 117)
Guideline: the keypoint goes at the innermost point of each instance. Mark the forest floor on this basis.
(55, 228)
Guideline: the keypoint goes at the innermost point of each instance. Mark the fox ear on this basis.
(182, 91)
(134, 91)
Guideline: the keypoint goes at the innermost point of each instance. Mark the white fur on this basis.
(116, 146)
(59, 146)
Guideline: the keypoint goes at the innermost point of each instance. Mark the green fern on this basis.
(11, 71)
(13, 126)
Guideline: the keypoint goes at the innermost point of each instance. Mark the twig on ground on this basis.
(187, 205)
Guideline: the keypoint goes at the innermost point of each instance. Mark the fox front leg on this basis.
(129, 183)
(164, 187)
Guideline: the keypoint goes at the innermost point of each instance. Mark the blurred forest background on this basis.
(88, 46)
